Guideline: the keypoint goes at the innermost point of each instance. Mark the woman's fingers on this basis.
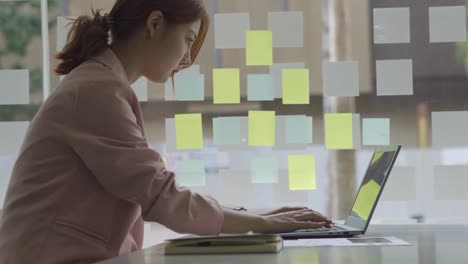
(311, 215)
(308, 225)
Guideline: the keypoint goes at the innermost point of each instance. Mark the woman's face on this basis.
(168, 48)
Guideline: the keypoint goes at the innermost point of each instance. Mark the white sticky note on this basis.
(190, 173)
(244, 135)
(260, 87)
(140, 87)
(341, 78)
(63, 27)
(401, 185)
(277, 71)
(14, 87)
(391, 25)
(447, 24)
(190, 87)
(264, 169)
(287, 28)
(450, 182)
(394, 77)
(449, 129)
(298, 130)
(11, 137)
(376, 131)
(169, 90)
(230, 30)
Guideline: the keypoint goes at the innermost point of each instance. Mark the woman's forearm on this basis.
(236, 222)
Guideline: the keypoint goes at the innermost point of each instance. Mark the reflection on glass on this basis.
(372, 183)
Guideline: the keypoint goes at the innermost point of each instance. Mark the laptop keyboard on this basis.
(332, 228)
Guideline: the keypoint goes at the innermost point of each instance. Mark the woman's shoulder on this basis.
(94, 78)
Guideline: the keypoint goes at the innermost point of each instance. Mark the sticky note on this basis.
(189, 131)
(287, 28)
(11, 137)
(264, 169)
(449, 129)
(244, 135)
(259, 48)
(341, 78)
(296, 86)
(170, 90)
(450, 182)
(63, 27)
(298, 130)
(447, 24)
(366, 198)
(227, 131)
(401, 186)
(190, 87)
(340, 130)
(15, 87)
(226, 86)
(140, 87)
(301, 170)
(261, 128)
(376, 131)
(392, 25)
(230, 29)
(394, 77)
(276, 70)
(190, 173)
(260, 87)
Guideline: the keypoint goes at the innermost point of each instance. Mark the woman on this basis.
(85, 179)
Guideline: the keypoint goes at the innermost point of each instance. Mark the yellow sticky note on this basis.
(339, 131)
(165, 161)
(259, 48)
(296, 86)
(189, 131)
(366, 199)
(226, 86)
(262, 126)
(302, 172)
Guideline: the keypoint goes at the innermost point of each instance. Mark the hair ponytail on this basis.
(87, 37)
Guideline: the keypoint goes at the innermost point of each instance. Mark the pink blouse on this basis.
(85, 178)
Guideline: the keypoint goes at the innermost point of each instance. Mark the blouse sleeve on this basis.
(107, 137)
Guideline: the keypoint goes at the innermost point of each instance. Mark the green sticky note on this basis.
(227, 131)
(264, 169)
(302, 172)
(226, 86)
(298, 130)
(189, 131)
(262, 125)
(366, 199)
(259, 48)
(339, 131)
(296, 86)
(190, 173)
(376, 131)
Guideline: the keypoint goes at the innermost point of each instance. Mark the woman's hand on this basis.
(290, 219)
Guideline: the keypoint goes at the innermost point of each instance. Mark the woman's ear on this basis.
(154, 23)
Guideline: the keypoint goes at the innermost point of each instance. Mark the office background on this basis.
(402, 80)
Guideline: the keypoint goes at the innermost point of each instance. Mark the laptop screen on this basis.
(371, 187)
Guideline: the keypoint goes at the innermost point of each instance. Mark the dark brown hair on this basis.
(89, 36)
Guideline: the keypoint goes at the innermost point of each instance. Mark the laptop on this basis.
(365, 202)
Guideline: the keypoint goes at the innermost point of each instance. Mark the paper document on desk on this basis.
(346, 242)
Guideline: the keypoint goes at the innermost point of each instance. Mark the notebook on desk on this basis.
(365, 202)
(224, 244)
